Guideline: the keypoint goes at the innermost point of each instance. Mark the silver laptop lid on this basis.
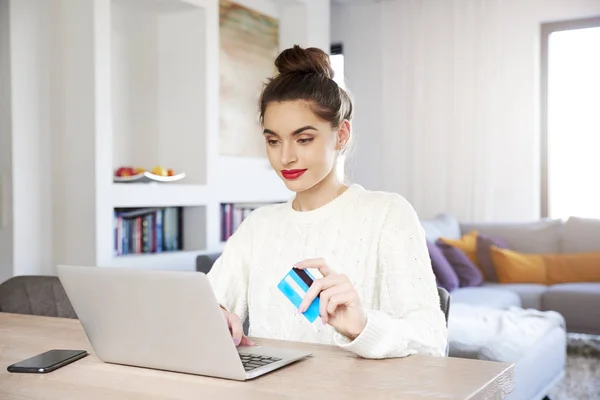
(156, 319)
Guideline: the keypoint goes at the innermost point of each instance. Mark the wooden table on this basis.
(330, 373)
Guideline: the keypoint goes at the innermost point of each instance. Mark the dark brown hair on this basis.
(306, 74)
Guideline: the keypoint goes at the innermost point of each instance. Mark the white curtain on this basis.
(460, 103)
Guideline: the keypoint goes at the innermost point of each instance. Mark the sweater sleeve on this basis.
(409, 319)
(229, 274)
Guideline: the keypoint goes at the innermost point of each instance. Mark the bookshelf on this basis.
(155, 230)
(153, 101)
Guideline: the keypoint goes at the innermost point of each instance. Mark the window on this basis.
(337, 63)
(571, 119)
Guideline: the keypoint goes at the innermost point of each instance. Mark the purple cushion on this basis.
(467, 272)
(444, 274)
(484, 258)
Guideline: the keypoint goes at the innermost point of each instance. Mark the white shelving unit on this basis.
(141, 89)
(162, 83)
(160, 195)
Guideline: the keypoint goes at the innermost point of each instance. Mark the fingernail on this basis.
(237, 342)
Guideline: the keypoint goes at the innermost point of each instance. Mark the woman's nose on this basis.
(288, 154)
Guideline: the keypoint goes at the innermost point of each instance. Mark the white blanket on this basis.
(487, 333)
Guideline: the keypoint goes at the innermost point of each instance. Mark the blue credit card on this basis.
(294, 286)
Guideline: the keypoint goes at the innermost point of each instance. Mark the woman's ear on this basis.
(344, 132)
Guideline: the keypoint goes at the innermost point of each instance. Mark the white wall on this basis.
(362, 69)
(306, 23)
(38, 136)
(6, 223)
(26, 134)
(134, 71)
(181, 96)
(318, 23)
(293, 30)
(83, 134)
(443, 119)
(157, 88)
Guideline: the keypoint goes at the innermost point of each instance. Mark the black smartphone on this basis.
(48, 361)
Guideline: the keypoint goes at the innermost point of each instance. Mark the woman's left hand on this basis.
(340, 305)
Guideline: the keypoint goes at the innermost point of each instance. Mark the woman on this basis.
(378, 295)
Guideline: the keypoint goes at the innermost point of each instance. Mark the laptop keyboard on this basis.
(252, 361)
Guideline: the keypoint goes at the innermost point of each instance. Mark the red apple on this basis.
(124, 171)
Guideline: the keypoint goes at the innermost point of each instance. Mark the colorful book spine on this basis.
(148, 230)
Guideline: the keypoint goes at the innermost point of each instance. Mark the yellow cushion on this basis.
(467, 244)
(546, 269)
(513, 267)
(574, 267)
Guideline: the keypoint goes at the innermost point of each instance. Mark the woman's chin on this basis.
(296, 185)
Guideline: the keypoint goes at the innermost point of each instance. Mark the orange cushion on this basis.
(513, 267)
(574, 267)
(467, 244)
(547, 269)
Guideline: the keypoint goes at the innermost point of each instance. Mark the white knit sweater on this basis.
(375, 238)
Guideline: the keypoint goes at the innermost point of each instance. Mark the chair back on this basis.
(445, 306)
(444, 302)
(35, 295)
(204, 262)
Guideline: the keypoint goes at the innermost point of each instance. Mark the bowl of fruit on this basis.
(141, 175)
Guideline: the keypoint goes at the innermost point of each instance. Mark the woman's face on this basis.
(301, 147)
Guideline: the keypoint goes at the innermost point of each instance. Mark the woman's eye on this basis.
(304, 141)
(272, 142)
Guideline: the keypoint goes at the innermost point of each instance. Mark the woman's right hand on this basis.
(237, 331)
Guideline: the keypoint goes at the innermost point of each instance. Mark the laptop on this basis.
(163, 320)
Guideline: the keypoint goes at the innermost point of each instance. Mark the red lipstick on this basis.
(292, 173)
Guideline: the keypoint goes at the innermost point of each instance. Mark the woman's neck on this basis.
(319, 195)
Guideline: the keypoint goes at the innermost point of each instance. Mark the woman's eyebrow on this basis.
(296, 132)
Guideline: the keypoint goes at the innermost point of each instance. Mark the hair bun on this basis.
(299, 60)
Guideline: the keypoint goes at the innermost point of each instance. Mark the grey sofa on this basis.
(578, 303)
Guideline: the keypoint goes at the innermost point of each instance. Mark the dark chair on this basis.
(35, 295)
(444, 302)
(205, 262)
(445, 306)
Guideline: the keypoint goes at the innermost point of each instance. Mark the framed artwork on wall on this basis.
(249, 43)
